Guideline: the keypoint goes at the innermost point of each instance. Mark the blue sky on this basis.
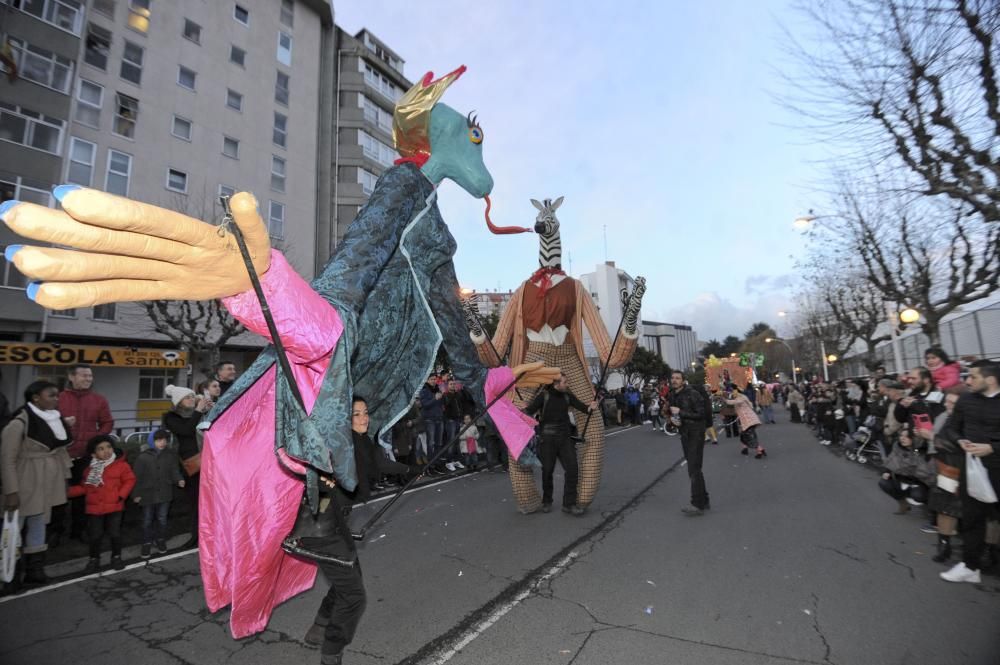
(654, 119)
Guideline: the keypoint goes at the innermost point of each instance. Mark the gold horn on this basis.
(411, 120)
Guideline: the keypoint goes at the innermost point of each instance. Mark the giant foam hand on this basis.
(124, 250)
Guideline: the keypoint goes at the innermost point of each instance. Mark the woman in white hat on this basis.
(182, 421)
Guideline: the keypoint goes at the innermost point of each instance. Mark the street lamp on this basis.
(768, 340)
(909, 315)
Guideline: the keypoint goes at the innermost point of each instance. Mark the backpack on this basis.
(706, 405)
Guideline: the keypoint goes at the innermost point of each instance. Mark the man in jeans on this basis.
(551, 405)
(975, 426)
(688, 407)
(432, 410)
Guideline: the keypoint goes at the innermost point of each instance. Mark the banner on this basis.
(65, 355)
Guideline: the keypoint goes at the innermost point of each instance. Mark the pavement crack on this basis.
(842, 553)
(893, 559)
(478, 566)
(819, 631)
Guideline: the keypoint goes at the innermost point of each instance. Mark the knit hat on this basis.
(177, 393)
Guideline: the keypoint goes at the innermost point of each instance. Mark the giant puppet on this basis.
(371, 324)
(544, 321)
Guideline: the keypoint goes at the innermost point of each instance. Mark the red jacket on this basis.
(93, 417)
(110, 496)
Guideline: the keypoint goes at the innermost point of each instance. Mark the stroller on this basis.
(864, 445)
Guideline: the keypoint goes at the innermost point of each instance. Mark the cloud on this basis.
(714, 317)
(763, 284)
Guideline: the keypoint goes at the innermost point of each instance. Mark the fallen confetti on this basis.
(651, 582)
(565, 651)
(648, 610)
(809, 612)
(460, 573)
(381, 537)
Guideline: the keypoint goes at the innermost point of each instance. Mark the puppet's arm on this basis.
(598, 333)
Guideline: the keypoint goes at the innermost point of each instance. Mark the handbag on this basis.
(192, 465)
(321, 536)
(10, 541)
(977, 480)
(904, 461)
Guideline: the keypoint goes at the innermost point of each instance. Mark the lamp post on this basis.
(795, 376)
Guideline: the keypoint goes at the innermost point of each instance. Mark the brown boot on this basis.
(903, 507)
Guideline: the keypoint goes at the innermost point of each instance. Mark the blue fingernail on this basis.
(32, 290)
(7, 205)
(62, 190)
(11, 251)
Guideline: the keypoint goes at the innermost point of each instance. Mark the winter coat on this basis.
(765, 398)
(93, 417)
(37, 473)
(185, 430)
(108, 497)
(156, 475)
(947, 376)
(745, 411)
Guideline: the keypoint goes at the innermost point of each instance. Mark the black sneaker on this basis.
(117, 563)
(161, 546)
(146, 550)
(574, 510)
(93, 565)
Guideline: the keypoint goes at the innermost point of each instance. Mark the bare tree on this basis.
(911, 87)
(198, 326)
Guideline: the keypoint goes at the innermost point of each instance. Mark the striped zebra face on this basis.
(546, 223)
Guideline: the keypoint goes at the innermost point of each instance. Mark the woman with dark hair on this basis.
(35, 465)
(947, 374)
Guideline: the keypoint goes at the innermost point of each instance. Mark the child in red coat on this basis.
(106, 484)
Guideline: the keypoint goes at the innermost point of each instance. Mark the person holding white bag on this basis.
(975, 426)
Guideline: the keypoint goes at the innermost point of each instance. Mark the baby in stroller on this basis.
(866, 443)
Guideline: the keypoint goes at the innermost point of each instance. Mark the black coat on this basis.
(156, 475)
(185, 430)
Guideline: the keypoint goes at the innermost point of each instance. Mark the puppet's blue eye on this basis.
(476, 135)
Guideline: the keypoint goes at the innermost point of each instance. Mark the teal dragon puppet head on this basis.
(439, 139)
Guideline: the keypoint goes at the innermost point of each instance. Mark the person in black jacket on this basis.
(432, 411)
(551, 405)
(157, 470)
(182, 421)
(975, 426)
(688, 406)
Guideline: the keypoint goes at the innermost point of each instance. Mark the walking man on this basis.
(687, 406)
(552, 406)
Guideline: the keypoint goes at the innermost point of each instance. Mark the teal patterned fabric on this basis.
(397, 295)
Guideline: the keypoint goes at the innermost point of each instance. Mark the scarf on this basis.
(96, 474)
(52, 418)
(544, 276)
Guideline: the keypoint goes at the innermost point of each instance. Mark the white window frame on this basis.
(287, 16)
(132, 63)
(278, 220)
(107, 54)
(179, 190)
(27, 55)
(283, 132)
(20, 188)
(48, 14)
(284, 55)
(100, 9)
(138, 15)
(237, 7)
(33, 119)
(229, 93)
(197, 38)
(233, 50)
(173, 126)
(127, 174)
(287, 89)
(377, 81)
(279, 175)
(376, 150)
(70, 161)
(226, 190)
(81, 102)
(134, 121)
(382, 118)
(367, 183)
(225, 141)
(181, 69)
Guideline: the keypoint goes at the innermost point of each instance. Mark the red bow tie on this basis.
(544, 275)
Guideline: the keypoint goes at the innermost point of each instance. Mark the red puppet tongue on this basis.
(501, 230)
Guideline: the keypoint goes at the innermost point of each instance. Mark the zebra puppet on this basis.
(544, 320)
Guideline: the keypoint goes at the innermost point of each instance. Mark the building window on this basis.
(281, 88)
(192, 31)
(105, 312)
(234, 100)
(280, 134)
(230, 147)
(63, 313)
(181, 128)
(186, 77)
(65, 14)
(177, 181)
(126, 113)
(367, 180)
(376, 114)
(119, 172)
(237, 56)
(152, 382)
(106, 7)
(31, 129)
(376, 150)
(379, 82)
(138, 15)
(287, 13)
(277, 174)
(284, 48)
(81, 162)
(276, 220)
(132, 63)
(41, 66)
(98, 44)
(16, 187)
(241, 15)
(89, 100)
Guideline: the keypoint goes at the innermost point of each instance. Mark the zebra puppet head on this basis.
(547, 228)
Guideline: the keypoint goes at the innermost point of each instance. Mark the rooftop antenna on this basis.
(605, 243)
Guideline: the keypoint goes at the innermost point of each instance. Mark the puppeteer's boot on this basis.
(943, 549)
(34, 568)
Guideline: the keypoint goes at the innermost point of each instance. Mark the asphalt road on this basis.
(799, 561)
